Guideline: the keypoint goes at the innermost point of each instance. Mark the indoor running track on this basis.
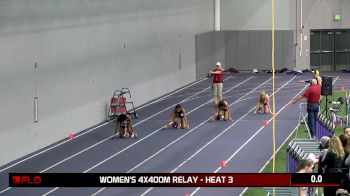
(245, 143)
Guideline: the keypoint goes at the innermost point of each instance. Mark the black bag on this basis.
(283, 70)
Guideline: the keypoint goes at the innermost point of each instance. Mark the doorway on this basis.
(330, 49)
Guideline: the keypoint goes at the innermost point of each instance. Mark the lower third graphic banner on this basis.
(169, 180)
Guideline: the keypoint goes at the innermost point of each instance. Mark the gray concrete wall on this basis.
(256, 15)
(244, 50)
(220, 48)
(318, 14)
(210, 48)
(205, 53)
(247, 50)
(85, 50)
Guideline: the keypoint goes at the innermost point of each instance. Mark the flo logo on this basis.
(26, 180)
(16, 179)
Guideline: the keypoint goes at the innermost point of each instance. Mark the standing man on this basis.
(217, 83)
(313, 96)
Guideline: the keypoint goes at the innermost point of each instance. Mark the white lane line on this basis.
(146, 136)
(254, 97)
(292, 87)
(181, 89)
(88, 148)
(246, 188)
(224, 131)
(157, 130)
(252, 137)
(48, 149)
(235, 94)
(279, 148)
(164, 148)
(88, 131)
(3, 191)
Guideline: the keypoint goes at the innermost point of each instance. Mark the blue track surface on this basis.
(245, 142)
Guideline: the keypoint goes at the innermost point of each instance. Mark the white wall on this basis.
(79, 46)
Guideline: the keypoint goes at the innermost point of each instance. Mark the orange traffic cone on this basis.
(265, 123)
(223, 164)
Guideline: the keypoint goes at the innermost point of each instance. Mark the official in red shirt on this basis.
(217, 83)
(313, 96)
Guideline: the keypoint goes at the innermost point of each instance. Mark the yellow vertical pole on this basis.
(273, 88)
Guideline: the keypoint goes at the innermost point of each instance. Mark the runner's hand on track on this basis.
(274, 115)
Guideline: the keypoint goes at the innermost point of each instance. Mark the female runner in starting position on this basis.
(178, 114)
(124, 127)
(222, 111)
(263, 104)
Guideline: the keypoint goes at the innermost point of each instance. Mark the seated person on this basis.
(178, 114)
(222, 111)
(263, 104)
(124, 127)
